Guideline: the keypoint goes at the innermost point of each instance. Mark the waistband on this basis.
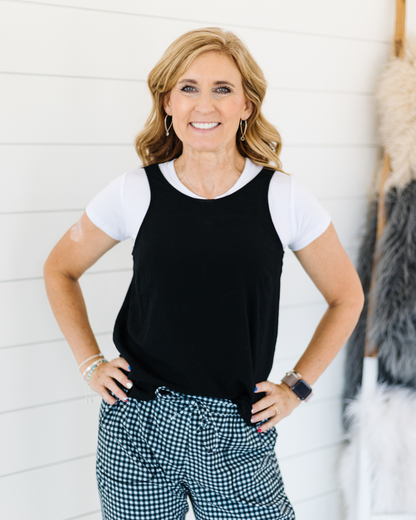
(217, 405)
(205, 407)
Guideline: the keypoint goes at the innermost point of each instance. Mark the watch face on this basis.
(301, 389)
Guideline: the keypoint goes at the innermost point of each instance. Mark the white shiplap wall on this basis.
(72, 96)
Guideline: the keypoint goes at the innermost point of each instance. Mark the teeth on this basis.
(204, 125)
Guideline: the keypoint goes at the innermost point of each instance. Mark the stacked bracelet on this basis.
(94, 366)
(91, 369)
(92, 357)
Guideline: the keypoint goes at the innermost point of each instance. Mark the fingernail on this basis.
(129, 368)
(255, 389)
(259, 430)
(129, 384)
(126, 399)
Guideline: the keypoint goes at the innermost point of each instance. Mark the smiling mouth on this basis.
(205, 126)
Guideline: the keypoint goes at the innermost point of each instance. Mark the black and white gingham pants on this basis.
(152, 454)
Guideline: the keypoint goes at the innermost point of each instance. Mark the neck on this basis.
(209, 174)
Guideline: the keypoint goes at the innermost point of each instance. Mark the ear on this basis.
(248, 109)
(166, 103)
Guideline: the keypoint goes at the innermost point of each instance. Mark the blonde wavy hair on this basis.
(262, 143)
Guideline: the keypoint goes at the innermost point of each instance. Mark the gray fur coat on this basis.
(393, 322)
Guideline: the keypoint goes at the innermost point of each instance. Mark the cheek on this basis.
(181, 106)
(233, 110)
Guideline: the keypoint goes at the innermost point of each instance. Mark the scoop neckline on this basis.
(203, 199)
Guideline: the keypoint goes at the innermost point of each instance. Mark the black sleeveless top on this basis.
(201, 313)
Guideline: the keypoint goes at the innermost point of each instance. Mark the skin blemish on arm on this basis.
(76, 232)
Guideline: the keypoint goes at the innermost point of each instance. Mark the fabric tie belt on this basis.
(205, 419)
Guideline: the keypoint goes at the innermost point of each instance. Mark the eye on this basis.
(186, 87)
(225, 90)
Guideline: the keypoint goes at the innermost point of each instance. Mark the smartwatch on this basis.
(294, 381)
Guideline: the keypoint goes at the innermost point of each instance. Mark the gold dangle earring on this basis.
(166, 128)
(245, 129)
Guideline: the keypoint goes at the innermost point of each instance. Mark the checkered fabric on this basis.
(152, 454)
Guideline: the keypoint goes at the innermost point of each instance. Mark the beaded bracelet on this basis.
(92, 357)
(93, 367)
(89, 368)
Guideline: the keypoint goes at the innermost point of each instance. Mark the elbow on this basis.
(54, 270)
(361, 299)
(47, 268)
(352, 297)
(359, 296)
(357, 300)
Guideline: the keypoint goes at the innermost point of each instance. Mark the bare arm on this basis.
(333, 273)
(81, 246)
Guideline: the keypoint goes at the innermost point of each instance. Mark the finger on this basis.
(264, 386)
(272, 421)
(103, 378)
(264, 414)
(107, 397)
(118, 392)
(266, 426)
(270, 399)
(259, 387)
(97, 386)
(110, 373)
(120, 362)
(120, 376)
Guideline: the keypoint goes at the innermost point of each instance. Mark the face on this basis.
(207, 104)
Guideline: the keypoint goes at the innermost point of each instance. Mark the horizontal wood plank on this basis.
(30, 318)
(368, 21)
(328, 505)
(56, 492)
(63, 431)
(45, 384)
(292, 62)
(113, 111)
(39, 232)
(61, 178)
(316, 476)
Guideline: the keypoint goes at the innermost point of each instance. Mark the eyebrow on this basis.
(221, 82)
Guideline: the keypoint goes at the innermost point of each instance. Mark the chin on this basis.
(204, 146)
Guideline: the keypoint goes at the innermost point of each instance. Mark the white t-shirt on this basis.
(297, 215)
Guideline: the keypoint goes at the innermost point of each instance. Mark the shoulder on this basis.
(283, 180)
(288, 187)
(114, 208)
(298, 214)
(280, 188)
(136, 175)
(136, 187)
(122, 184)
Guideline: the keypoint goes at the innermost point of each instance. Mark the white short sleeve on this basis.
(309, 218)
(106, 209)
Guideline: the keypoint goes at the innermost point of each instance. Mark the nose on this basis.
(205, 104)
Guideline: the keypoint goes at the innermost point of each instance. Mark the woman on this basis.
(187, 408)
